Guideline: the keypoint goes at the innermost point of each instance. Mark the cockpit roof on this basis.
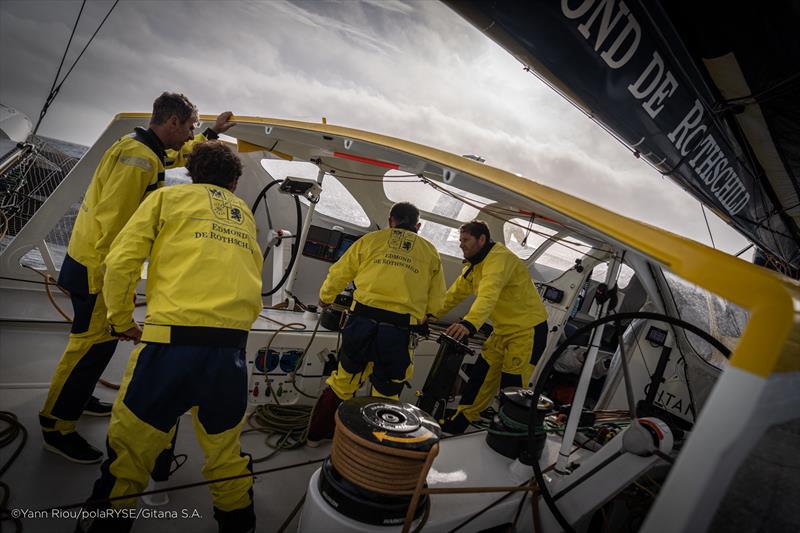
(771, 342)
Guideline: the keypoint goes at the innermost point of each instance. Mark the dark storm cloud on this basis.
(411, 70)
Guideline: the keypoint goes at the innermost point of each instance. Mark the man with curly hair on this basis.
(128, 172)
(203, 294)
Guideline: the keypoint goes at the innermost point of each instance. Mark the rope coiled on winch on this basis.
(377, 467)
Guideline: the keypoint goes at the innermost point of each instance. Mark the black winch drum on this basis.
(399, 426)
(515, 403)
(364, 505)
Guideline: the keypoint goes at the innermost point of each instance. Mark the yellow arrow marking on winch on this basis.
(381, 436)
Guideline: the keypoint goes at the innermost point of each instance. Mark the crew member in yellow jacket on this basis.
(130, 170)
(505, 294)
(399, 280)
(203, 294)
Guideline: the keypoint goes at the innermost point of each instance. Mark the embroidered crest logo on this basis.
(402, 240)
(225, 207)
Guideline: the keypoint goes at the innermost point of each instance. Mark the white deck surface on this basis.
(42, 480)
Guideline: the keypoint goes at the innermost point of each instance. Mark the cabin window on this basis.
(600, 272)
(719, 317)
(399, 187)
(523, 237)
(560, 256)
(335, 202)
(444, 238)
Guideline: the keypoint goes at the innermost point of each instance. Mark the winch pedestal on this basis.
(442, 376)
(381, 453)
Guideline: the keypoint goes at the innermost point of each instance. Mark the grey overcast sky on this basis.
(413, 70)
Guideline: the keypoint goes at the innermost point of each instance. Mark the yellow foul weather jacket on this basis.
(130, 170)
(193, 224)
(504, 293)
(393, 269)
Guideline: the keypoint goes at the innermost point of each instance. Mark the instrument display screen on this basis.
(327, 244)
(552, 294)
(656, 336)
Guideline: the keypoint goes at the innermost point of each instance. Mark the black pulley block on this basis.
(330, 319)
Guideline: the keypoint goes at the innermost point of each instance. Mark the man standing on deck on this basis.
(129, 171)
(203, 294)
(399, 280)
(505, 293)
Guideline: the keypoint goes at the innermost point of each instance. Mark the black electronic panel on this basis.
(346, 242)
(552, 294)
(656, 336)
(324, 236)
(327, 244)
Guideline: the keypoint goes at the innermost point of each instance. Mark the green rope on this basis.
(285, 426)
(512, 424)
(520, 429)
